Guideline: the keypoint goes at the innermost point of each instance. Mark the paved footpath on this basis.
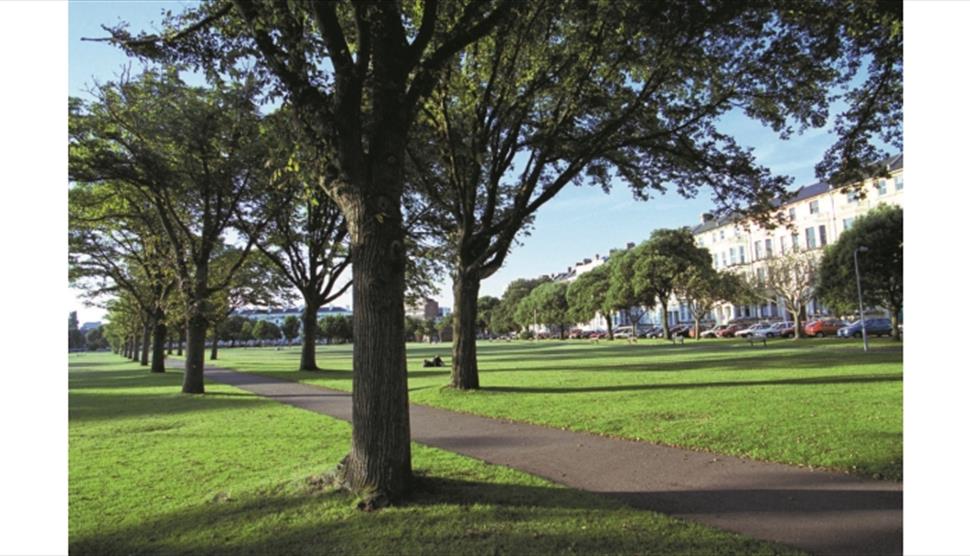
(820, 512)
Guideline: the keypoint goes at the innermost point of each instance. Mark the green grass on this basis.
(816, 402)
(153, 471)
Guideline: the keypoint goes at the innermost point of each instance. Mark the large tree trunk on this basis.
(214, 354)
(308, 353)
(160, 334)
(196, 326)
(125, 348)
(146, 343)
(464, 356)
(609, 326)
(181, 340)
(379, 463)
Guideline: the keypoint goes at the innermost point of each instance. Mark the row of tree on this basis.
(671, 265)
(455, 121)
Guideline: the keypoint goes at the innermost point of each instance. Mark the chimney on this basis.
(630, 245)
(587, 261)
(706, 217)
(597, 256)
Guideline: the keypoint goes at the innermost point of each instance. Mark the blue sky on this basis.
(579, 223)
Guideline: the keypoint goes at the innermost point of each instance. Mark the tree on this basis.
(291, 330)
(880, 267)
(190, 154)
(664, 261)
(792, 278)
(75, 340)
(621, 295)
(266, 330)
(503, 317)
(587, 297)
(246, 331)
(548, 305)
(697, 61)
(257, 282)
(306, 234)
(95, 340)
(486, 306)
(702, 288)
(116, 244)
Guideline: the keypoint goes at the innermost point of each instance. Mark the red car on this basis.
(729, 330)
(823, 327)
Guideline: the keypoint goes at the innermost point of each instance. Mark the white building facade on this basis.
(818, 213)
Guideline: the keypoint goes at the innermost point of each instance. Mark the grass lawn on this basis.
(153, 471)
(815, 402)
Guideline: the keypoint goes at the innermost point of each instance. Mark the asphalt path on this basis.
(821, 512)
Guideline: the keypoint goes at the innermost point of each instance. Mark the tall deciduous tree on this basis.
(793, 278)
(587, 297)
(880, 231)
(547, 304)
(702, 288)
(116, 243)
(503, 318)
(664, 261)
(306, 235)
(193, 156)
(621, 293)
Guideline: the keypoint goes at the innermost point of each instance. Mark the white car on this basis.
(754, 329)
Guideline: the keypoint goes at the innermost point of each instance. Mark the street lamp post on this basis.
(858, 283)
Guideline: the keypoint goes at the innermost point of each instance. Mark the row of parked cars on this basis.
(818, 328)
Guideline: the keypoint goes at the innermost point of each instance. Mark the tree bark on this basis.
(379, 463)
(609, 326)
(146, 343)
(181, 340)
(308, 353)
(196, 326)
(894, 319)
(464, 356)
(160, 334)
(797, 318)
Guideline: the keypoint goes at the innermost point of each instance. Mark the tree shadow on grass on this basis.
(858, 379)
(449, 515)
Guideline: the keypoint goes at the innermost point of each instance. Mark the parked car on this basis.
(753, 329)
(729, 330)
(779, 329)
(823, 327)
(648, 331)
(680, 330)
(712, 332)
(874, 327)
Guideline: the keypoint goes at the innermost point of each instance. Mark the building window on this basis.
(813, 207)
(722, 234)
(733, 258)
(822, 240)
(791, 213)
(810, 238)
(757, 250)
(847, 223)
(898, 180)
(768, 248)
(882, 186)
(794, 243)
(761, 277)
(783, 245)
(714, 257)
(741, 254)
(723, 259)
